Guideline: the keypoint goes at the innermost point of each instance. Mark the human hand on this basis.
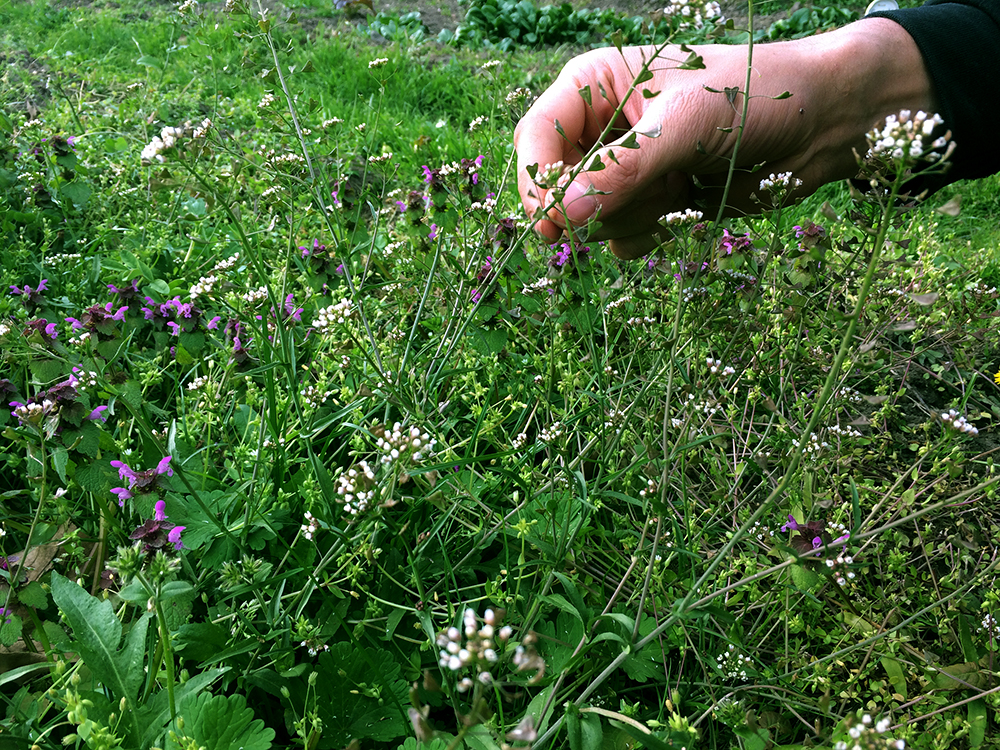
(841, 84)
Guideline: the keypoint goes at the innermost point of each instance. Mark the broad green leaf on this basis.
(977, 723)
(98, 633)
(222, 722)
(10, 631)
(895, 673)
(363, 697)
(33, 595)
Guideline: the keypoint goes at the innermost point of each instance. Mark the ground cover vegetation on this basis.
(310, 442)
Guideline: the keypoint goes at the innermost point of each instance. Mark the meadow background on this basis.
(311, 442)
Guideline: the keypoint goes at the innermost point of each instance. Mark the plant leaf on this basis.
(222, 722)
(98, 633)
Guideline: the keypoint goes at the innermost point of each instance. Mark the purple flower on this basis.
(123, 495)
(140, 481)
(213, 323)
(734, 243)
(174, 537)
(432, 235)
(98, 413)
(295, 313)
(28, 294)
(175, 328)
(128, 292)
(42, 327)
(158, 532)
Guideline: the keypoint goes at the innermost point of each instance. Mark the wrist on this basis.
(872, 69)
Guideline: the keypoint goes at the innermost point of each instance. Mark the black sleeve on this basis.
(960, 43)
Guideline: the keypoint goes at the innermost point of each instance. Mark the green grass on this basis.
(615, 503)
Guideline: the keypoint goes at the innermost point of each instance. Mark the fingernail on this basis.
(580, 207)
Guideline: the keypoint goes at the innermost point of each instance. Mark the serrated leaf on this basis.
(10, 631)
(97, 632)
(222, 722)
(362, 697)
(33, 595)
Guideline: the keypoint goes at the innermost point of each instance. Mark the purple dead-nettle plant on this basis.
(29, 296)
(158, 533)
(63, 405)
(140, 482)
(99, 320)
(41, 330)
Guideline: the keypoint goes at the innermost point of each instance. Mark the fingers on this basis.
(539, 142)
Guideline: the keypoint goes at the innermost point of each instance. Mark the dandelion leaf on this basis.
(222, 722)
(97, 633)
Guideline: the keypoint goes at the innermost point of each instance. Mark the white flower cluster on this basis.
(543, 283)
(266, 101)
(380, 158)
(518, 442)
(309, 529)
(980, 288)
(649, 489)
(491, 65)
(813, 445)
(331, 122)
(702, 407)
(355, 486)
(866, 736)
(478, 123)
(548, 176)
(330, 317)
(4, 329)
(186, 6)
(489, 205)
(990, 626)
(959, 423)
(780, 182)
(288, 162)
(87, 379)
(313, 397)
(378, 62)
(693, 14)
(478, 648)
(843, 431)
(169, 137)
(761, 531)
(733, 664)
(902, 136)
(715, 367)
(550, 433)
(835, 566)
(681, 217)
(400, 442)
(516, 96)
(618, 302)
(644, 320)
(198, 383)
(850, 395)
(205, 284)
(694, 291)
(255, 295)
